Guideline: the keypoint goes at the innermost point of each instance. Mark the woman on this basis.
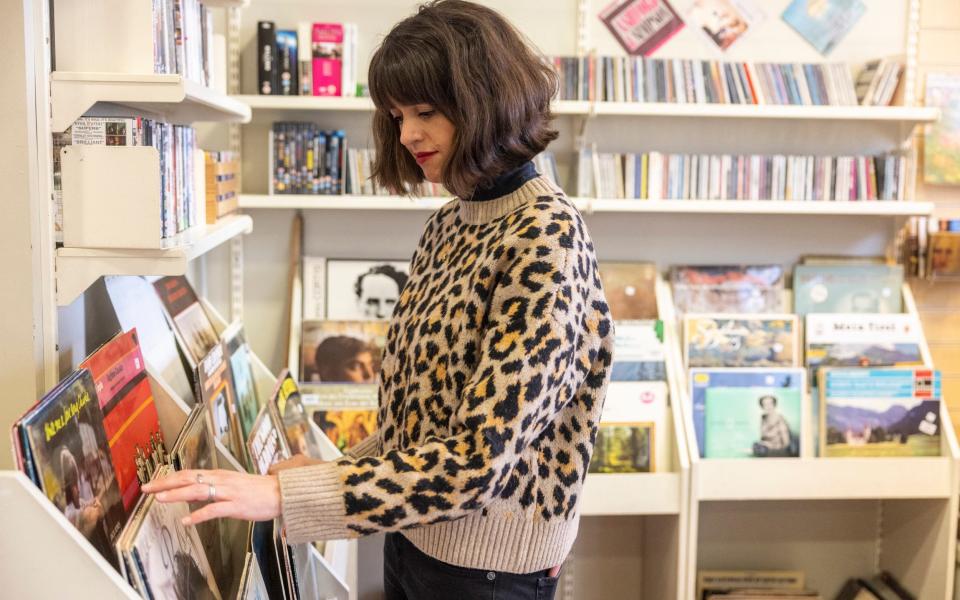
(499, 350)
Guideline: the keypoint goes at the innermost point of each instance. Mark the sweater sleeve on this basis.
(520, 382)
(368, 447)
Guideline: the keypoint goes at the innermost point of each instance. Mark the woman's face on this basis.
(427, 135)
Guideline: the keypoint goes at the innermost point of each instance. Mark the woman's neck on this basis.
(505, 183)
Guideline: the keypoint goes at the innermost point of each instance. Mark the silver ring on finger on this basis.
(211, 493)
(200, 478)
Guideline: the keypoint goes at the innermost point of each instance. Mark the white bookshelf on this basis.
(77, 268)
(171, 98)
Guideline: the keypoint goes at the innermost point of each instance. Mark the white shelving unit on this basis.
(77, 268)
(170, 98)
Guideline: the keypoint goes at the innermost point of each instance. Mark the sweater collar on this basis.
(479, 212)
(505, 183)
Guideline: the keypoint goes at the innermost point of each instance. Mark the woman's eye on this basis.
(426, 113)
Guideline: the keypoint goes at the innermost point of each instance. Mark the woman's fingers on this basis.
(195, 492)
(214, 510)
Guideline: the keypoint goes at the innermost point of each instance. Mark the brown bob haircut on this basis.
(477, 70)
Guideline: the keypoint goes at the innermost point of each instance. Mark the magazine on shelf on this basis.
(236, 348)
(728, 289)
(266, 444)
(216, 390)
(195, 332)
(360, 290)
(166, 555)
(66, 446)
(345, 413)
(292, 417)
(639, 352)
(630, 289)
(633, 435)
(130, 419)
(137, 306)
(880, 412)
(847, 289)
(759, 340)
(342, 351)
(748, 413)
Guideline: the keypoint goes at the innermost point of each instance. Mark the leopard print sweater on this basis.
(492, 384)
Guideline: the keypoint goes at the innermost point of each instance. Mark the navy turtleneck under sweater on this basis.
(506, 183)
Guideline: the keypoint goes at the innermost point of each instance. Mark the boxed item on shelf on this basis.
(315, 59)
(223, 184)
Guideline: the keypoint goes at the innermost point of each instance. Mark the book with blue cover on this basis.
(823, 23)
(880, 412)
(852, 288)
(748, 413)
(741, 340)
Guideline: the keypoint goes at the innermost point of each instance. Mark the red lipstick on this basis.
(423, 157)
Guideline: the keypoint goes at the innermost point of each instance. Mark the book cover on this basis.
(241, 370)
(266, 443)
(728, 289)
(823, 23)
(760, 340)
(327, 48)
(267, 58)
(364, 289)
(639, 353)
(195, 332)
(880, 412)
(288, 65)
(638, 405)
(130, 418)
(941, 140)
(342, 351)
(641, 26)
(170, 556)
(346, 413)
(748, 413)
(216, 390)
(630, 289)
(292, 416)
(847, 289)
(69, 451)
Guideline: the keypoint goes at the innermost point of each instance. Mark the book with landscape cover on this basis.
(130, 418)
(71, 458)
(880, 412)
(862, 340)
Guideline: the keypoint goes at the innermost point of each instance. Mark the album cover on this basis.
(137, 306)
(941, 140)
(644, 403)
(639, 353)
(725, 21)
(300, 437)
(759, 340)
(342, 351)
(944, 254)
(236, 347)
(364, 290)
(719, 582)
(728, 289)
(880, 412)
(266, 443)
(847, 289)
(630, 289)
(130, 419)
(823, 23)
(626, 447)
(216, 390)
(748, 413)
(641, 26)
(195, 332)
(170, 556)
(346, 413)
(69, 451)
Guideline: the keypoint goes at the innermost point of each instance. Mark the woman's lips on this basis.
(423, 157)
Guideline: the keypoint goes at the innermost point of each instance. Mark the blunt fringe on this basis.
(476, 69)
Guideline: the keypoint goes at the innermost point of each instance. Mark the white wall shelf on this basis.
(606, 494)
(903, 114)
(171, 97)
(77, 268)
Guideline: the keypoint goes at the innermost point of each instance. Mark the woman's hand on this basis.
(227, 493)
(300, 460)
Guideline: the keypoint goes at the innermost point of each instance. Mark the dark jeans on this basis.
(409, 574)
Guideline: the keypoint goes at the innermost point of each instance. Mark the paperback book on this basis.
(342, 351)
(345, 413)
(761, 340)
(633, 436)
(880, 412)
(630, 289)
(748, 413)
(728, 289)
(847, 289)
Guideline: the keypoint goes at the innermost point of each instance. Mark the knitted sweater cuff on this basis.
(368, 447)
(312, 503)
